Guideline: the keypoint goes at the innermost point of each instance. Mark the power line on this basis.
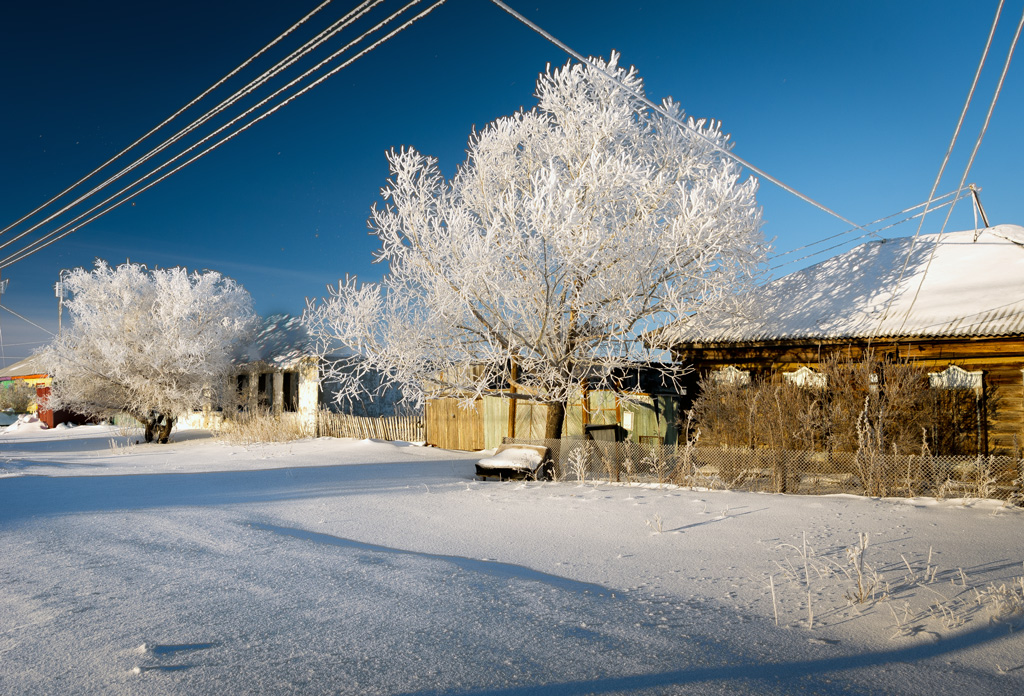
(970, 161)
(170, 118)
(945, 160)
(38, 244)
(854, 229)
(868, 234)
(578, 56)
(8, 309)
(57, 234)
(254, 84)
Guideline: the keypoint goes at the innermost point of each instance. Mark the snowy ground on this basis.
(334, 566)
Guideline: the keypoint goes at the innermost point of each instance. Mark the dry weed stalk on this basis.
(128, 436)
(863, 589)
(1004, 601)
(1001, 602)
(657, 525)
(578, 464)
(775, 603)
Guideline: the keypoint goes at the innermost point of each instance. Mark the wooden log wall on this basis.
(1000, 358)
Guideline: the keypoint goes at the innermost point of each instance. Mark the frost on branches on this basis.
(571, 233)
(150, 343)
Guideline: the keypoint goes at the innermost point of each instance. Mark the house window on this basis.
(291, 391)
(954, 377)
(805, 377)
(960, 421)
(732, 375)
(603, 408)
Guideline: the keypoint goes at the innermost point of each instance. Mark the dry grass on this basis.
(918, 596)
(261, 426)
(129, 434)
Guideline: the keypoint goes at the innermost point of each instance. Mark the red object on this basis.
(54, 418)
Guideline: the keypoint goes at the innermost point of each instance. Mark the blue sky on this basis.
(851, 103)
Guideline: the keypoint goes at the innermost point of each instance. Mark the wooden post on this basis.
(512, 401)
(584, 406)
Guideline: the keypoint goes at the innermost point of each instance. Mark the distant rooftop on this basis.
(29, 366)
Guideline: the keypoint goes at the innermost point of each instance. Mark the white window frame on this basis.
(806, 377)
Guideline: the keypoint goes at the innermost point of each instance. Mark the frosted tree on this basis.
(150, 343)
(571, 233)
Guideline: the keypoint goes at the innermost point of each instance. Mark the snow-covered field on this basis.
(359, 567)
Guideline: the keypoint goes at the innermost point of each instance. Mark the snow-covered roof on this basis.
(963, 286)
(282, 340)
(29, 366)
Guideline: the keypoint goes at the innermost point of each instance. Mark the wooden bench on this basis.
(511, 461)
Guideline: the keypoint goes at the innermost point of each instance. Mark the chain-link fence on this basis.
(786, 471)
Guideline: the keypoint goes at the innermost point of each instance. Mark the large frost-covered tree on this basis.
(571, 233)
(150, 343)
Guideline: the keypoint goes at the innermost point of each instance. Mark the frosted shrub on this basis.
(974, 480)
(877, 404)
(17, 395)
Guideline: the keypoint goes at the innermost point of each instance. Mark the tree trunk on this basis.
(556, 417)
(157, 427)
(165, 430)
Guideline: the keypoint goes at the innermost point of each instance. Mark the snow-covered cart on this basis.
(516, 461)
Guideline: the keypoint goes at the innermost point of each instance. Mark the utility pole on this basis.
(59, 291)
(977, 202)
(3, 353)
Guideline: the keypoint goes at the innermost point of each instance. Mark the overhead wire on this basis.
(661, 110)
(63, 231)
(170, 118)
(945, 159)
(8, 309)
(254, 84)
(578, 56)
(38, 244)
(54, 235)
(967, 168)
(868, 234)
(855, 229)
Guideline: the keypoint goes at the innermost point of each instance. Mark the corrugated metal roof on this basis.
(952, 286)
(29, 366)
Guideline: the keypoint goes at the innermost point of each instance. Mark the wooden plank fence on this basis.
(407, 428)
(453, 425)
